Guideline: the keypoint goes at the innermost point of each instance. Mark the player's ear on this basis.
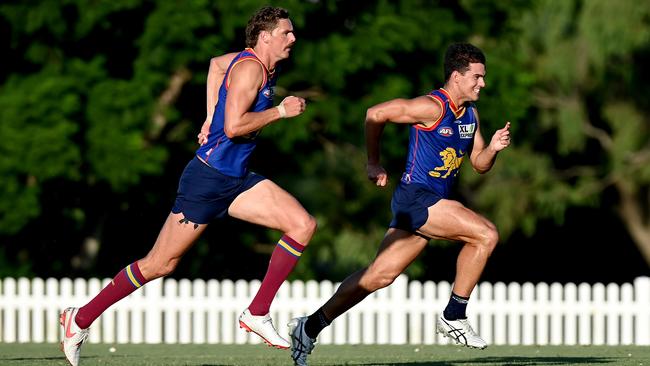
(265, 36)
(455, 75)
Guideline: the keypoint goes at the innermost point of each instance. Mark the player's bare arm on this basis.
(482, 156)
(218, 67)
(245, 81)
(216, 72)
(423, 110)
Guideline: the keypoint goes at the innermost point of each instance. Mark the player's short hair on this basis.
(265, 19)
(459, 56)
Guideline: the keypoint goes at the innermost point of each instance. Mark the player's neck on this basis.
(265, 56)
(455, 94)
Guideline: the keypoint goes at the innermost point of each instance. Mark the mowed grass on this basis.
(258, 355)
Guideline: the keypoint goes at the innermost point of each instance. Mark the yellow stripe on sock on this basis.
(289, 248)
(132, 277)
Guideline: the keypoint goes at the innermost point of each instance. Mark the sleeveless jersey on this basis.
(435, 153)
(231, 156)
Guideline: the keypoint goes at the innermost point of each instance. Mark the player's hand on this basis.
(293, 106)
(202, 137)
(377, 174)
(501, 138)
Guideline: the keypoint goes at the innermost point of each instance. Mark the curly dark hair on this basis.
(459, 56)
(265, 19)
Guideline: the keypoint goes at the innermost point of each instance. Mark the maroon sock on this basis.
(128, 280)
(284, 258)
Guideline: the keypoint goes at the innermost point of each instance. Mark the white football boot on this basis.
(301, 344)
(262, 325)
(460, 331)
(73, 336)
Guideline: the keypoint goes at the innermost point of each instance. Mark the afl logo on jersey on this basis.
(268, 93)
(445, 131)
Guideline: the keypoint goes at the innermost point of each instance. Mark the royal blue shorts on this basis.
(410, 206)
(205, 194)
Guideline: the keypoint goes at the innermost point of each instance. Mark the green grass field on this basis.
(258, 355)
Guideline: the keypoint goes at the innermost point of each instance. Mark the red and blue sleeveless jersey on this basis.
(231, 156)
(435, 153)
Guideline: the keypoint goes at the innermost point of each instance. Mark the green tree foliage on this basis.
(100, 103)
(38, 114)
(588, 135)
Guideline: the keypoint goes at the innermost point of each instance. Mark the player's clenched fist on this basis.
(377, 174)
(291, 106)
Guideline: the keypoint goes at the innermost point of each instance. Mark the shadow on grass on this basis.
(488, 361)
(38, 358)
(500, 361)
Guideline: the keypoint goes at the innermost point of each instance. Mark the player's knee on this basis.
(384, 281)
(162, 268)
(168, 268)
(305, 227)
(490, 237)
(310, 225)
(377, 280)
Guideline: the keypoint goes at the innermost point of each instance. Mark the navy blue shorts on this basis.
(205, 194)
(410, 206)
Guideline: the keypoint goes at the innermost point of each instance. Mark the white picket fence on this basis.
(170, 311)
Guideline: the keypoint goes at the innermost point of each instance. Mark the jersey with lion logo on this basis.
(435, 153)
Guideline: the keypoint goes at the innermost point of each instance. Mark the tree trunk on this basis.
(631, 211)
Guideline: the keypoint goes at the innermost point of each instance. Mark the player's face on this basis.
(282, 38)
(472, 81)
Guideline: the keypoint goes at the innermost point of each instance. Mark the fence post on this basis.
(9, 323)
(431, 305)
(613, 311)
(199, 311)
(23, 328)
(153, 311)
(501, 317)
(627, 314)
(214, 325)
(599, 305)
(184, 311)
(514, 317)
(227, 316)
(541, 327)
(571, 314)
(52, 311)
(171, 324)
(556, 313)
(642, 306)
(584, 315)
(415, 325)
(38, 320)
(399, 303)
(528, 316)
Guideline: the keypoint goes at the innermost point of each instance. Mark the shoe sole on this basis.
(249, 330)
(440, 329)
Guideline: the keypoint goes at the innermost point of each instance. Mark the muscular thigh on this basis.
(269, 205)
(398, 249)
(449, 219)
(175, 238)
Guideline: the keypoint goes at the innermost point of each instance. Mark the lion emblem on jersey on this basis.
(450, 163)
